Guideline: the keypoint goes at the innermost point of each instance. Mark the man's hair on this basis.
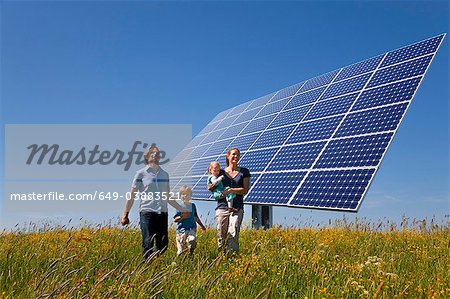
(148, 151)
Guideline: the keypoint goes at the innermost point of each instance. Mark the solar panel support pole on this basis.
(262, 216)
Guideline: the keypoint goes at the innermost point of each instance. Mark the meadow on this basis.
(342, 260)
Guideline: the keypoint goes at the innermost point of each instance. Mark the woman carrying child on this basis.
(236, 180)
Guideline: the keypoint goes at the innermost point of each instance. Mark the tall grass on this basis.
(343, 260)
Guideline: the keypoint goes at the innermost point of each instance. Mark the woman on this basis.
(229, 221)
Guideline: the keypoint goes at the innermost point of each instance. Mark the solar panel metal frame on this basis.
(308, 86)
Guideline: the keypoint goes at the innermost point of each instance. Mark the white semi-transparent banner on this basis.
(56, 168)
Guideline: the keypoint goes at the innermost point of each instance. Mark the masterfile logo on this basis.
(62, 152)
(53, 154)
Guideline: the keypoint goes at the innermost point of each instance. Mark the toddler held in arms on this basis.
(215, 179)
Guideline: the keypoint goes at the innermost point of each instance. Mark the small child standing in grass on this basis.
(187, 223)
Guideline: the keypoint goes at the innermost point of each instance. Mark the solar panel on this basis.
(338, 189)
(233, 130)
(246, 115)
(258, 124)
(388, 94)
(217, 148)
(318, 143)
(275, 188)
(257, 160)
(260, 101)
(243, 142)
(300, 156)
(346, 86)
(369, 121)
(354, 152)
(315, 130)
(404, 70)
(273, 137)
(199, 190)
(333, 106)
(304, 98)
(201, 166)
(286, 92)
(359, 68)
(288, 117)
(273, 107)
(319, 81)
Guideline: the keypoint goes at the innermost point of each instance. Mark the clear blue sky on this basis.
(183, 62)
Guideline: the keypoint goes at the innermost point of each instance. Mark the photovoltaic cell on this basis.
(370, 121)
(273, 107)
(257, 160)
(172, 166)
(200, 180)
(340, 189)
(319, 81)
(359, 68)
(221, 159)
(220, 116)
(315, 130)
(299, 156)
(387, 94)
(422, 48)
(185, 154)
(200, 167)
(346, 86)
(233, 130)
(226, 122)
(305, 98)
(266, 192)
(246, 116)
(197, 152)
(184, 168)
(332, 107)
(200, 191)
(172, 169)
(209, 128)
(354, 152)
(259, 102)
(176, 183)
(240, 108)
(244, 142)
(273, 137)
(401, 71)
(258, 124)
(287, 92)
(197, 140)
(290, 116)
(213, 136)
(316, 144)
(218, 147)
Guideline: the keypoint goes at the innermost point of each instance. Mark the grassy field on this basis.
(343, 261)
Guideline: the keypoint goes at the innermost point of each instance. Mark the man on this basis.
(151, 185)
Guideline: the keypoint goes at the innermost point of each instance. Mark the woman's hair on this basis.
(186, 189)
(148, 151)
(229, 152)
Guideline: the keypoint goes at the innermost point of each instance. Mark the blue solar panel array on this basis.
(318, 143)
